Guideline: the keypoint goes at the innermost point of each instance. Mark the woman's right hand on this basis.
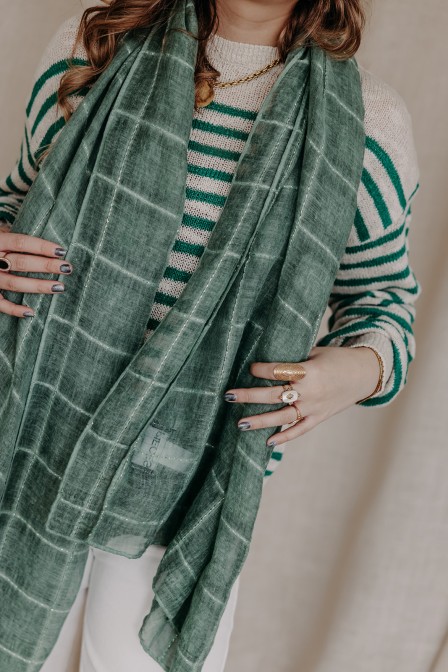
(28, 254)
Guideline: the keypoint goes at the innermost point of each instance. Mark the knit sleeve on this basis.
(374, 294)
(43, 120)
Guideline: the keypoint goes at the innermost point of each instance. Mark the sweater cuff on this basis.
(382, 346)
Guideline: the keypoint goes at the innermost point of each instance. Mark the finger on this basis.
(255, 395)
(282, 416)
(21, 242)
(31, 263)
(266, 369)
(298, 429)
(10, 308)
(15, 283)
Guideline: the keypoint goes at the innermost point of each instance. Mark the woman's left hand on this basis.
(336, 378)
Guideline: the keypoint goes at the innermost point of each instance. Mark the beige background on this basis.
(348, 571)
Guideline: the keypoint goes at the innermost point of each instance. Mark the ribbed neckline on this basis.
(222, 50)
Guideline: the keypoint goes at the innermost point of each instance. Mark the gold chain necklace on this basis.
(206, 90)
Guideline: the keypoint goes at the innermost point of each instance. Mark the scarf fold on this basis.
(112, 442)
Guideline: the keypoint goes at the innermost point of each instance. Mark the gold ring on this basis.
(299, 415)
(289, 371)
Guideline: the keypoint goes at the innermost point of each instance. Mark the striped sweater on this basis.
(372, 302)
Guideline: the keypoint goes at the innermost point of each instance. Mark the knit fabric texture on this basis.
(91, 451)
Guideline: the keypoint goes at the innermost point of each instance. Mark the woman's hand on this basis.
(336, 378)
(28, 254)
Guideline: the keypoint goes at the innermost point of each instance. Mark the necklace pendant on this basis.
(205, 94)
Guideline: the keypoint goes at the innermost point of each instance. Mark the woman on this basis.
(242, 50)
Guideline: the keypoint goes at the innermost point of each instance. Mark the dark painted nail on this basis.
(243, 426)
(28, 313)
(4, 264)
(57, 287)
(272, 443)
(60, 252)
(229, 396)
(65, 268)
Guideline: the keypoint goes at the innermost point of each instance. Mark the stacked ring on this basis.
(289, 371)
(289, 396)
(5, 264)
(299, 415)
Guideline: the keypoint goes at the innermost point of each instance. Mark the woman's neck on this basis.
(253, 21)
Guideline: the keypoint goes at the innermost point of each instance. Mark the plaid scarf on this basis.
(116, 443)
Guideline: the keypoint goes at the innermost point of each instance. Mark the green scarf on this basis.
(112, 442)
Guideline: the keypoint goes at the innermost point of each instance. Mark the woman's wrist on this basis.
(379, 368)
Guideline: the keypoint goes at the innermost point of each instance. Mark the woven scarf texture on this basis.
(112, 442)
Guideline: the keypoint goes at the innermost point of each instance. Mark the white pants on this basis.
(103, 623)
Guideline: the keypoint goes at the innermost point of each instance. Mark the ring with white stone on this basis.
(290, 396)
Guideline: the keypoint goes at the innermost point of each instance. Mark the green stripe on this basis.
(395, 297)
(173, 273)
(371, 310)
(30, 157)
(268, 472)
(205, 197)
(232, 111)
(276, 455)
(389, 167)
(6, 216)
(360, 226)
(197, 222)
(188, 248)
(354, 249)
(55, 69)
(209, 172)
(387, 238)
(376, 196)
(349, 330)
(21, 169)
(50, 102)
(206, 126)
(165, 299)
(417, 187)
(350, 298)
(152, 323)
(405, 338)
(376, 261)
(209, 150)
(13, 187)
(355, 282)
(49, 135)
(352, 301)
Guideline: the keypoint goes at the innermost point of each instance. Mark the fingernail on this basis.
(243, 426)
(229, 396)
(65, 268)
(28, 313)
(60, 252)
(272, 443)
(57, 287)
(4, 264)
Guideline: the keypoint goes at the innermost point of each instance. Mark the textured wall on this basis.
(347, 572)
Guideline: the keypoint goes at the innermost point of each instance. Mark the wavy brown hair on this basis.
(334, 25)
